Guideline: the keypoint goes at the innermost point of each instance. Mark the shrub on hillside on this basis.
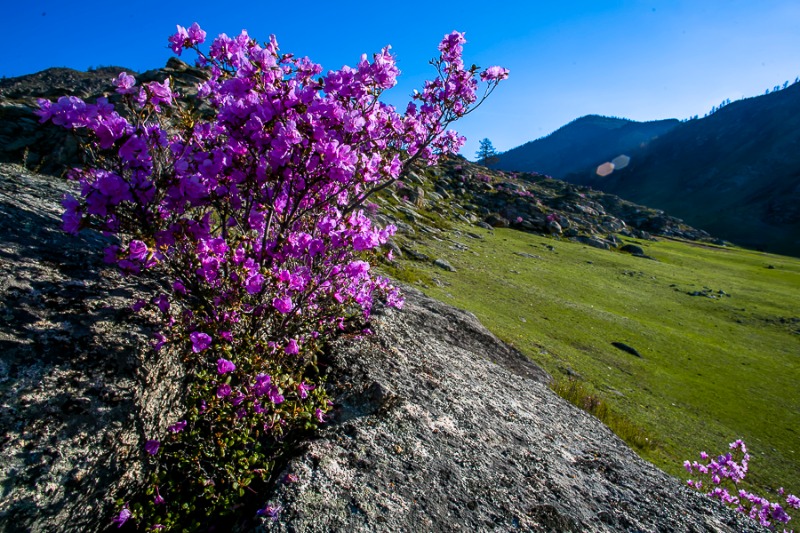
(247, 199)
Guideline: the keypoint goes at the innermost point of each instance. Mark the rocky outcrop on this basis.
(438, 425)
(48, 148)
(441, 427)
(472, 194)
(79, 387)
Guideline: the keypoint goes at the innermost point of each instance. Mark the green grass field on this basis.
(711, 369)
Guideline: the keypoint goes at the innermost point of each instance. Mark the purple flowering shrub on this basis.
(723, 473)
(247, 199)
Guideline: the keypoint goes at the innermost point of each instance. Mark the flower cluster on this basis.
(248, 198)
(725, 472)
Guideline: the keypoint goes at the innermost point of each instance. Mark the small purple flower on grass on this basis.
(200, 341)
(224, 366)
(122, 517)
(793, 501)
(320, 416)
(223, 390)
(254, 283)
(158, 500)
(151, 446)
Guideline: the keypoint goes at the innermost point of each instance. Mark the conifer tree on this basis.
(486, 153)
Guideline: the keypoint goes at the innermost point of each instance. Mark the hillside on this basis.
(706, 322)
(437, 421)
(735, 173)
(584, 142)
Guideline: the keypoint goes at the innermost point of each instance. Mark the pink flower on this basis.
(200, 341)
(303, 389)
(224, 366)
(196, 34)
(275, 395)
(292, 347)
(254, 283)
(123, 516)
(177, 427)
(270, 511)
(124, 83)
(284, 305)
(151, 446)
(178, 40)
(494, 74)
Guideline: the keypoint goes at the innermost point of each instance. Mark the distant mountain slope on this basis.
(735, 173)
(584, 142)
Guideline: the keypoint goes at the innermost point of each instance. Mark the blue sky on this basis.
(633, 59)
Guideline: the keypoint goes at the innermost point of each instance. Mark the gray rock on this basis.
(410, 213)
(444, 265)
(632, 249)
(413, 177)
(553, 227)
(414, 254)
(404, 228)
(447, 429)
(417, 197)
(594, 241)
(434, 196)
(497, 221)
(78, 398)
(395, 249)
(441, 191)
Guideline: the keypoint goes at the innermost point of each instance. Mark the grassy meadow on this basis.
(710, 370)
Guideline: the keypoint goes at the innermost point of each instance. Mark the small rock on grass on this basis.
(441, 263)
